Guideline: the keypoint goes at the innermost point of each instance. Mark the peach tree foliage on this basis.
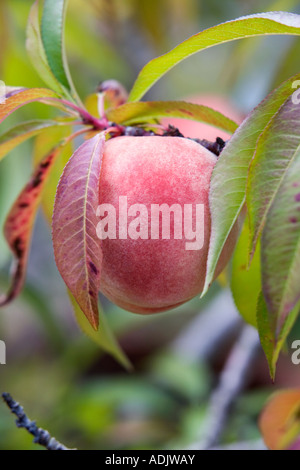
(259, 166)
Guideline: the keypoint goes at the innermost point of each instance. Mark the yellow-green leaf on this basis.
(248, 26)
(246, 280)
(104, 337)
(43, 144)
(135, 113)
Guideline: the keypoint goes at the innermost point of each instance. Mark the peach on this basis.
(153, 275)
(200, 130)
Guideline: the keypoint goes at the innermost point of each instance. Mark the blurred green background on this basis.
(83, 397)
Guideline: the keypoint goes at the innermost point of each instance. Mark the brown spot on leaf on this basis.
(17, 247)
(37, 180)
(93, 268)
(40, 173)
(293, 220)
(184, 111)
(45, 164)
(18, 226)
(297, 197)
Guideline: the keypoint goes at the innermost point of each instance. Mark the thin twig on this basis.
(41, 436)
(233, 380)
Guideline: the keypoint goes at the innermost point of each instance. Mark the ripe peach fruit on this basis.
(200, 130)
(153, 275)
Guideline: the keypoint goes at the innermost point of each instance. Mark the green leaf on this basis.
(248, 26)
(245, 53)
(280, 248)
(134, 113)
(21, 132)
(229, 178)
(104, 337)
(53, 24)
(246, 281)
(37, 53)
(265, 323)
(277, 147)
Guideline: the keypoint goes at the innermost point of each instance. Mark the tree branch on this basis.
(233, 380)
(41, 436)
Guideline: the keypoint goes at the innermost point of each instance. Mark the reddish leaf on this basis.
(76, 246)
(113, 94)
(279, 422)
(11, 91)
(19, 224)
(16, 99)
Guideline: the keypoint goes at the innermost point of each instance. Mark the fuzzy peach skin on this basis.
(200, 130)
(148, 276)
